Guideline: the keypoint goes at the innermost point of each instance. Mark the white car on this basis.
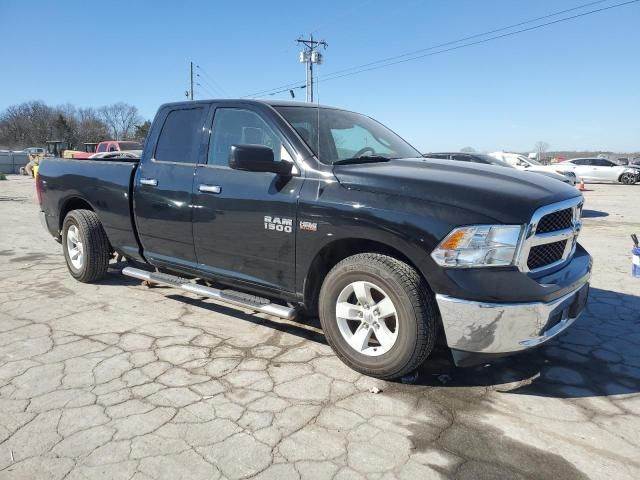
(531, 165)
(600, 170)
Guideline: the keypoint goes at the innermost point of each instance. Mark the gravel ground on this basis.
(118, 380)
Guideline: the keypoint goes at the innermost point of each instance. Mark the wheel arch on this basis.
(632, 174)
(334, 252)
(70, 204)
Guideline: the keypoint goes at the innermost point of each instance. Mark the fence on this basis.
(10, 162)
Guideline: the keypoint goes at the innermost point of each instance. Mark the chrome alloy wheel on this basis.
(75, 248)
(367, 318)
(628, 178)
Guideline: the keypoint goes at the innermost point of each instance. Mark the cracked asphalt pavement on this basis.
(122, 381)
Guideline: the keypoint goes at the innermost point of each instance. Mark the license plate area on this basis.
(570, 310)
(579, 302)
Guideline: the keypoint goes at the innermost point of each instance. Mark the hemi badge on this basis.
(309, 226)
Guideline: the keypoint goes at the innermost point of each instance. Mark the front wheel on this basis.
(378, 315)
(628, 178)
(85, 245)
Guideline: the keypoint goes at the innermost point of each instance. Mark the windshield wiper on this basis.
(363, 159)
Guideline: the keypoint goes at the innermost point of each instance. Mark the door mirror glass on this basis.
(257, 158)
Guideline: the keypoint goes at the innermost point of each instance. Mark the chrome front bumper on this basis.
(500, 329)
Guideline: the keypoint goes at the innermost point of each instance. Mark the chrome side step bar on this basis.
(239, 299)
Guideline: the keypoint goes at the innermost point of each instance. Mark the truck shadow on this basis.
(598, 356)
(306, 328)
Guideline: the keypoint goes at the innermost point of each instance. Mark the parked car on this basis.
(297, 207)
(600, 170)
(568, 178)
(524, 163)
(119, 146)
(36, 151)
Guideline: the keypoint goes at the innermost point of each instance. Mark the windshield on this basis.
(130, 146)
(338, 135)
(529, 160)
(493, 160)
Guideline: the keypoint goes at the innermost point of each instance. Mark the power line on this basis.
(481, 41)
(205, 89)
(209, 85)
(413, 55)
(470, 37)
(210, 80)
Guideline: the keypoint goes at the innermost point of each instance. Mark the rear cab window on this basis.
(179, 139)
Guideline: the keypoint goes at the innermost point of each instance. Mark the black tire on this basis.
(415, 306)
(628, 178)
(96, 251)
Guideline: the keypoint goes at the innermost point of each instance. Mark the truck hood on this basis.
(507, 195)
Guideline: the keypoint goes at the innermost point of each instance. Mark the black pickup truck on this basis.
(286, 207)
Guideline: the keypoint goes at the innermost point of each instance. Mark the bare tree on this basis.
(91, 127)
(121, 118)
(541, 148)
(26, 124)
(468, 150)
(32, 123)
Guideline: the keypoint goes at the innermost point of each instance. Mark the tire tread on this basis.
(422, 301)
(97, 251)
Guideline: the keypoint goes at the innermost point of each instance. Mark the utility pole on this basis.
(310, 55)
(191, 79)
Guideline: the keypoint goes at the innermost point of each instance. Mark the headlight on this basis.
(566, 174)
(478, 246)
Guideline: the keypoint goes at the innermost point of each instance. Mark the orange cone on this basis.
(581, 186)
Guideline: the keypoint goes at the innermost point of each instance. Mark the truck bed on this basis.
(104, 185)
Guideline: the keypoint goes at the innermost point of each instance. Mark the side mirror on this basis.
(257, 158)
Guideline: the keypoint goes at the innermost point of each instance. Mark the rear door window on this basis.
(179, 140)
(603, 163)
(102, 147)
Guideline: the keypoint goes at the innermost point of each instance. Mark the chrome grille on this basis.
(550, 238)
(555, 221)
(542, 255)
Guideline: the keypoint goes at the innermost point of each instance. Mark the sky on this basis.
(574, 85)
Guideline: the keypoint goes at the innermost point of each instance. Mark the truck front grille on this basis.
(542, 255)
(551, 236)
(555, 221)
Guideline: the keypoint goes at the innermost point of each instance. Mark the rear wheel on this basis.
(378, 315)
(628, 178)
(85, 245)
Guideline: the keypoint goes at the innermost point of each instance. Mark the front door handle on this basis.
(210, 188)
(149, 181)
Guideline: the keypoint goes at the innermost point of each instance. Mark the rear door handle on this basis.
(149, 181)
(210, 188)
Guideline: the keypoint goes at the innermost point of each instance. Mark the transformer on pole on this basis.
(310, 56)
